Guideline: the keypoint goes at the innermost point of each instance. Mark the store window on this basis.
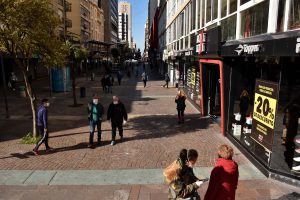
(294, 15)
(232, 6)
(223, 8)
(255, 20)
(228, 28)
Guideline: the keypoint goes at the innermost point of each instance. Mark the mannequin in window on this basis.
(247, 30)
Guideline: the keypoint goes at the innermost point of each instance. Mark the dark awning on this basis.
(277, 44)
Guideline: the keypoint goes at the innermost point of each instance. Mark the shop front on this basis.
(262, 101)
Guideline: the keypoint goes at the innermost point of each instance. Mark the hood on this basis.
(229, 166)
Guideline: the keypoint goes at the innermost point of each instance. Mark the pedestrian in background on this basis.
(224, 177)
(183, 183)
(95, 112)
(119, 76)
(13, 81)
(180, 101)
(145, 78)
(103, 83)
(167, 79)
(42, 124)
(117, 115)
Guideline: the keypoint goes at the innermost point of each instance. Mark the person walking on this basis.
(95, 112)
(180, 101)
(224, 176)
(167, 79)
(119, 76)
(117, 116)
(13, 81)
(42, 124)
(183, 183)
(144, 78)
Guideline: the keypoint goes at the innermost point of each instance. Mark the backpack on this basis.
(171, 172)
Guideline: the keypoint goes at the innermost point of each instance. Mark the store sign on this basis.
(193, 77)
(248, 49)
(264, 112)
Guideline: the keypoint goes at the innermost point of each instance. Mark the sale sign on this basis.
(264, 112)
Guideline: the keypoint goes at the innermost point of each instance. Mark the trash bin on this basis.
(82, 92)
(22, 91)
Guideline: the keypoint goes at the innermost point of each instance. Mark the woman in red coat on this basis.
(224, 176)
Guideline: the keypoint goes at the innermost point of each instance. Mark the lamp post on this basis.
(4, 86)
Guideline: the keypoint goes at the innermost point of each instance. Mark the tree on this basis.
(115, 53)
(138, 54)
(77, 54)
(28, 29)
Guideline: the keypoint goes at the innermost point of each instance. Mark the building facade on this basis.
(110, 8)
(146, 45)
(97, 21)
(125, 23)
(238, 61)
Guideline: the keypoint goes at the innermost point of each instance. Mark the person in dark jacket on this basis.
(224, 177)
(42, 124)
(184, 184)
(119, 76)
(117, 115)
(95, 112)
(167, 79)
(180, 101)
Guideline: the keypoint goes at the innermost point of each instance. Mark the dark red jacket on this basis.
(223, 180)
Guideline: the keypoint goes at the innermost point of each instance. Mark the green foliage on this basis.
(29, 139)
(76, 52)
(28, 27)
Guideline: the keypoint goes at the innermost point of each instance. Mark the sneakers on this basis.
(297, 159)
(35, 152)
(49, 149)
(296, 168)
(297, 150)
(112, 143)
(90, 146)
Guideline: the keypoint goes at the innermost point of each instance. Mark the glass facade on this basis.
(228, 27)
(294, 15)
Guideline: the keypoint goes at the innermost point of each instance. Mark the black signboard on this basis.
(264, 112)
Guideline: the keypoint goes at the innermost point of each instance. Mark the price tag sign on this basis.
(264, 112)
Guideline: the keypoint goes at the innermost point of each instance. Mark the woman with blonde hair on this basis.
(180, 101)
(224, 177)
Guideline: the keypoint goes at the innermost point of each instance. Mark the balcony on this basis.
(68, 23)
(68, 6)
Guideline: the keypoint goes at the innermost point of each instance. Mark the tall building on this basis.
(110, 8)
(81, 22)
(125, 22)
(97, 21)
(146, 46)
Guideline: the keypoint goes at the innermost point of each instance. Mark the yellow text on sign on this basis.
(193, 78)
(264, 110)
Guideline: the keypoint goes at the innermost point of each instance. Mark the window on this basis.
(244, 1)
(232, 6)
(255, 20)
(294, 15)
(228, 27)
(223, 8)
(215, 9)
(208, 11)
(280, 19)
(193, 14)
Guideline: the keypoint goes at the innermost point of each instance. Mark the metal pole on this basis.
(4, 86)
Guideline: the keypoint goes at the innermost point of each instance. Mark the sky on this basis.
(139, 16)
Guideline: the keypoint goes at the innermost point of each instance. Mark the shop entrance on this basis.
(213, 92)
(212, 100)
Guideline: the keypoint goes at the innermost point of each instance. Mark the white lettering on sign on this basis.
(249, 49)
(298, 45)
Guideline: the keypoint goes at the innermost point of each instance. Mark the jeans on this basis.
(180, 113)
(114, 130)
(93, 125)
(44, 138)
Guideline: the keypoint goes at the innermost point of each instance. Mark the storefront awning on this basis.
(278, 44)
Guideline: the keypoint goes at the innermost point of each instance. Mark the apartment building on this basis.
(222, 52)
(97, 21)
(125, 23)
(110, 8)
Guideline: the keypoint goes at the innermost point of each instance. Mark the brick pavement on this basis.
(152, 141)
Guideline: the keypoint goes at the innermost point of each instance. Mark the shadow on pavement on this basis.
(291, 196)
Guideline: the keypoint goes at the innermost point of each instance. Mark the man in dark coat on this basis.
(117, 115)
(95, 112)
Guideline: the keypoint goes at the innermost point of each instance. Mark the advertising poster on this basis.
(193, 76)
(264, 112)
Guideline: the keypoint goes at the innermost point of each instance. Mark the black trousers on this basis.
(145, 83)
(114, 127)
(180, 113)
(44, 138)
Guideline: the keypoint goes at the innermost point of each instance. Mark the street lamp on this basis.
(4, 86)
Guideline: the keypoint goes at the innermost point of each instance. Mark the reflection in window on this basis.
(228, 27)
(280, 19)
(294, 15)
(203, 11)
(215, 9)
(208, 11)
(255, 20)
(223, 8)
(244, 1)
(232, 6)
